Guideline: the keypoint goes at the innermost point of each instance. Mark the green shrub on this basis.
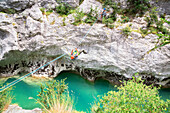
(124, 19)
(126, 31)
(110, 4)
(42, 10)
(63, 9)
(64, 24)
(91, 16)
(108, 22)
(5, 98)
(152, 18)
(153, 30)
(144, 31)
(162, 32)
(101, 1)
(48, 12)
(81, 1)
(137, 6)
(163, 40)
(54, 98)
(111, 26)
(9, 11)
(133, 97)
(78, 17)
(51, 90)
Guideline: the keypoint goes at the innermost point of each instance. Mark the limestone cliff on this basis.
(29, 39)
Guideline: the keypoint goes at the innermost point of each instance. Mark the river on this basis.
(84, 93)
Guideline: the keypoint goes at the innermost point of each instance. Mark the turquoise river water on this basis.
(83, 91)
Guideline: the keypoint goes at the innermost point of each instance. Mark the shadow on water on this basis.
(83, 92)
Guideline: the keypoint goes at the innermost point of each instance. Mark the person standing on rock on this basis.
(76, 53)
(104, 13)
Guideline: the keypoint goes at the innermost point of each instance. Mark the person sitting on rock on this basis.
(76, 53)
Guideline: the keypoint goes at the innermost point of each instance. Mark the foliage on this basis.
(63, 9)
(80, 2)
(5, 99)
(91, 16)
(144, 31)
(54, 97)
(64, 24)
(9, 11)
(46, 12)
(101, 1)
(154, 25)
(108, 22)
(78, 17)
(124, 19)
(163, 40)
(42, 10)
(152, 18)
(111, 26)
(126, 31)
(109, 4)
(137, 6)
(133, 97)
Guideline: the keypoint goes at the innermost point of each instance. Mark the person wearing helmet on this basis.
(103, 14)
(76, 53)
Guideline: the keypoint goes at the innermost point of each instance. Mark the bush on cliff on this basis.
(78, 17)
(5, 99)
(137, 6)
(63, 9)
(132, 97)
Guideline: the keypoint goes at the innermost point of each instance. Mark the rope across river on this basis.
(21, 78)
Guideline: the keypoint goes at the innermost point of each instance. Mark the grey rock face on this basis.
(87, 4)
(8, 35)
(40, 38)
(48, 4)
(72, 3)
(163, 6)
(18, 5)
(17, 109)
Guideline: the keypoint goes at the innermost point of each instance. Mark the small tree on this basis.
(132, 97)
(5, 99)
(54, 98)
(63, 9)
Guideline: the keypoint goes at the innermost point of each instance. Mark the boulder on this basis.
(88, 4)
(17, 109)
(48, 4)
(17, 5)
(8, 35)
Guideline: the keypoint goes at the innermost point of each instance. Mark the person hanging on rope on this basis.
(76, 53)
